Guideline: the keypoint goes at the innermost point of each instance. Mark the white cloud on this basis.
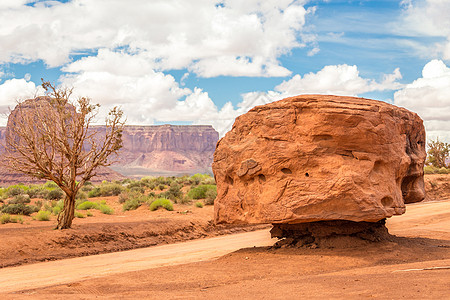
(196, 34)
(337, 80)
(429, 96)
(427, 18)
(15, 89)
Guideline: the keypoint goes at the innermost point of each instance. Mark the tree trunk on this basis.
(66, 216)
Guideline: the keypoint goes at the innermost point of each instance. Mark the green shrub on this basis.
(54, 194)
(131, 204)
(43, 215)
(95, 192)
(210, 196)
(56, 210)
(21, 198)
(87, 205)
(199, 204)
(184, 200)
(81, 196)
(132, 200)
(443, 171)
(50, 185)
(39, 204)
(137, 189)
(19, 209)
(161, 202)
(105, 209)
(36, 192)
(197, 179)
(79, 215)
(174, 192)
(89, 214)
(110, 189)
(199, 192)
(435, 170)
(5, 218)
(123, 197)
(15, 190)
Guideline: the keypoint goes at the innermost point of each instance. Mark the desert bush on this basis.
(133, 201)
(87, 188)
(39, 204)
(197, 179)
(19, 209)
(199, 192)
(95, 192)
(36, 192)
(81, 196)
(435, 170)
(15, 190)
(55, 194)
(136, 184)
(50, 185)
(79, 215)
(199, 204)
(89, 214)
(161, 187)
(110, 189)
(210, 196)
(105, 209)
(137, 189)
(87, 205)
(161, 202)
(184, 200)
(174, 192)
(56, 210)
(123, 197)
(22, 198)
(5, 218)
(43, 215)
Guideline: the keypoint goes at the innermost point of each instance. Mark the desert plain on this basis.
(41, 263)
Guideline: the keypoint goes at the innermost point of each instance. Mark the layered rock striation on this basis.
(167, 150)
(317, 158)
(149, 150)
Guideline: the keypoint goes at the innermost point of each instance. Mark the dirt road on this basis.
(69, 270)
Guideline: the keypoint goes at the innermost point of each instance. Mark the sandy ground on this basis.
(36, 241)
(415, 265)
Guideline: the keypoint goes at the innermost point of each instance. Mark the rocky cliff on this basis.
(166, 150)
(151, 150)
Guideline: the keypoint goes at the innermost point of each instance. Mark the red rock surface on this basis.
(318, 158)
(166, 150)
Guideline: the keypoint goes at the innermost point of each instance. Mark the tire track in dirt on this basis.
(70, 270)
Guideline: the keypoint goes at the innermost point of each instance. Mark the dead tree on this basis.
(50, 138)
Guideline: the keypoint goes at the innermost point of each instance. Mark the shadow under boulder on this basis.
(330, 234)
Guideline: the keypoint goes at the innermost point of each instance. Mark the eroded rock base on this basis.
(329, 234)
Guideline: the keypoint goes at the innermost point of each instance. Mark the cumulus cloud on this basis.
(427, 18)
(229, 37)
(15, 89)
(429, 97)
(337, 80)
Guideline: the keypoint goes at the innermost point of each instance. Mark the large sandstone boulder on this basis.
(318, 158)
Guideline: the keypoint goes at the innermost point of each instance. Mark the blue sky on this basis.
(206, 62)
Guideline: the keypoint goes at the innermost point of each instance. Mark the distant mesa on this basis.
(342, 161)
(164, 150)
